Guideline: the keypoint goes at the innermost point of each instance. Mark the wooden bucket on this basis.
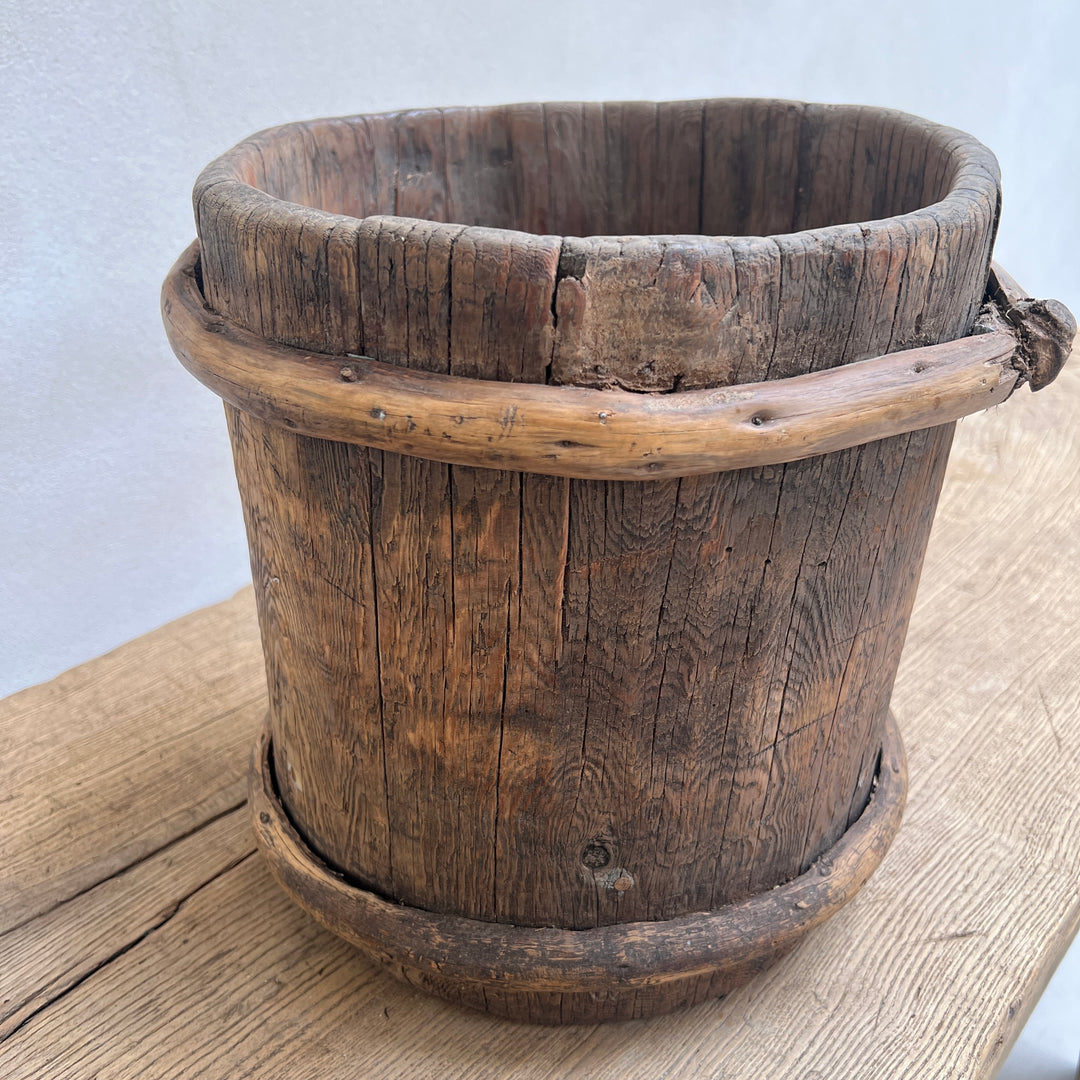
(584, 529)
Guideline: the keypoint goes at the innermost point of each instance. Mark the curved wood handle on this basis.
(571, 431)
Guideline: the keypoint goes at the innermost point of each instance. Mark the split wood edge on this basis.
(1045, 328)
(605, 434)
(740, 938)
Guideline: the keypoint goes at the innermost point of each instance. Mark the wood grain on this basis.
(45, 958)
(704, 693)
(565, 431)
(1045, 328)
(54, 848)
(902, 204)
(930, 971)
(623, 970)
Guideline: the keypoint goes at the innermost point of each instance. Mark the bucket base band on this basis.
(552, 976)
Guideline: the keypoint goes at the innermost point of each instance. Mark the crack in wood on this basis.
(120, 871)
(165, 916)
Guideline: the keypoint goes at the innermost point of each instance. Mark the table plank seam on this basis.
(121, 870)
(166, 914)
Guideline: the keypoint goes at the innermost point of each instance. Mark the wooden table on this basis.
(140, 934)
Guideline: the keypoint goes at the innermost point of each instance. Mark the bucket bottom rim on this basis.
(552, 975)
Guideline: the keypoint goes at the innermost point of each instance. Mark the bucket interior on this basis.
(727, 167)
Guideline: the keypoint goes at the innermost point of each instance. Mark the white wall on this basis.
(117, 504)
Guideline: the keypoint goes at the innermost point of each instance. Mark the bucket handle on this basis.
(615, 434)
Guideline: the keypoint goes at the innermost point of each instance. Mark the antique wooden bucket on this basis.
(586, 509)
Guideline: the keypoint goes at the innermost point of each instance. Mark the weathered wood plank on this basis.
(85, 793)
(44, 959)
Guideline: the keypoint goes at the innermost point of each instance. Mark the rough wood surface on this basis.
(694, 713)
(587, 434)
(623, 971)
(1045, 328)
(46, 957)
(930, 971)
(48, 734)
(713, 287)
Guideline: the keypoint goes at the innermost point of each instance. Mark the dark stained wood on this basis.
(1045, 328)
(761, 167)
(520, 701)
(749, 169)
(496, 168)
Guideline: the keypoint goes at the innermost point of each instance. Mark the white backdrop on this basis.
(119, 509)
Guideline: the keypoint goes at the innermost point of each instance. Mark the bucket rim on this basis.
(974, 180)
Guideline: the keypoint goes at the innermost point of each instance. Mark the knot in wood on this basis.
(595, 856)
